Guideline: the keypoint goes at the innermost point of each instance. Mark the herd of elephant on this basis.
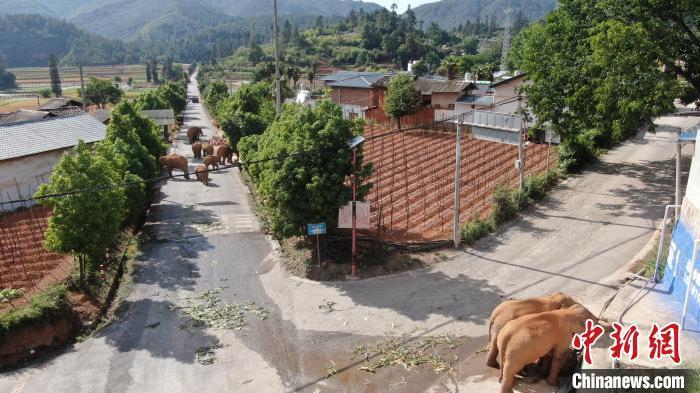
(537, 330)
(211, 156)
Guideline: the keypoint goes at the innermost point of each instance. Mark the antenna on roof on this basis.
(507, 24)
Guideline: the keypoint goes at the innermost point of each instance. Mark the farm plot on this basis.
(24, 262)
(413, 194)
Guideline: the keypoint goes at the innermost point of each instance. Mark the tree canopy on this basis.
(102, 92)
(402, 97)
(7, 79)
(303, 162)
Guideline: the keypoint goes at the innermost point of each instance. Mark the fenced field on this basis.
(414, 172)
(37, 77)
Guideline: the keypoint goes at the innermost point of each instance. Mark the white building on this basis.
(31, 149)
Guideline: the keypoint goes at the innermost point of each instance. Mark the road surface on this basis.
(209, 237)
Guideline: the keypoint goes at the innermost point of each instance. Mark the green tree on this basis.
(130, 82)
(7, 79)
(293, 74)
(117, 81)
(102, 92)
(154, 71)
(45, 92)
(84, 224)
(255, 53)
(118, 154)
(402, 97)
(175, 95)
(55, 77)
(150, 100)
(419, 68)
(149, 77)
(126, 118)
(308, 162)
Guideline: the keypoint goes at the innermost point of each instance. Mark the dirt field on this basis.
(31, 76)
(413, 194)
(24, 262)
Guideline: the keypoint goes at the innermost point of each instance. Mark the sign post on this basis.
(317, 229)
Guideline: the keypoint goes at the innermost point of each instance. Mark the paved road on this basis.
(205, 238)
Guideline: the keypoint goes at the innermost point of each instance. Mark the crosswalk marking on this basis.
(244, 222)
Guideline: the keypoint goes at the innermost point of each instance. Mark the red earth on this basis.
(413, 194)
(24, 262)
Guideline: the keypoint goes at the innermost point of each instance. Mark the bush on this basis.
(574, 153)
(536, 186)
(502, 205)
(476, 229)
(45, 92)
(520, 199)
(45, 306)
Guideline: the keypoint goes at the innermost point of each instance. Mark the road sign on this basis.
(316, 229)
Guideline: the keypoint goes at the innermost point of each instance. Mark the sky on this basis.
(402, 4)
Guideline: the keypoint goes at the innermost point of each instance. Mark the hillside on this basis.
(131, 19)
(450, 13)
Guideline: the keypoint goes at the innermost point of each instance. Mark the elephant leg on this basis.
(187, 174)
(508, 376)
(558, 359)
(170, 172)
(492, 357)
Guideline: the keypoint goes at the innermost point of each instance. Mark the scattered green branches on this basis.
(408, 352)
(206, 355)
(331, 369)
(328, 306)
(206, 310)
(9, 294)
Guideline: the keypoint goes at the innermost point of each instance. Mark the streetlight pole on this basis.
(278, 93)
(354, 143)
(458, 179)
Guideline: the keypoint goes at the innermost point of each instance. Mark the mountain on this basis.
(131, 19)
(450, 13)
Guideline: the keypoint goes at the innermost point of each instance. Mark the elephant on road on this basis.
(208, 149)
(175, 161)
(202, 174)
(225, 153)
(197, 150)
(525, 340)
(516, 308)
(211, 160)
(193, 134)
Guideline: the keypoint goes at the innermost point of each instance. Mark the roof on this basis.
(383, 81)
(430, 86)
(363, 80)
(40, 136)
(102, 115)
(66, 111)
(476, 100)
(162, 117)
(23, 115)
(508, 80)
(56, 103)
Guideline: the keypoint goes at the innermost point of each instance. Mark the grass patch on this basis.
(477, 229)
(50, 304)
(648, 263)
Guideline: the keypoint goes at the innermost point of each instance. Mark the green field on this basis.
(35, 75)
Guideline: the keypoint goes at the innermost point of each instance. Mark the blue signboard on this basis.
(316, 229)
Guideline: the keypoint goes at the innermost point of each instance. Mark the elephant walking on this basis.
(211, 160)
(197, 150)
(175, 161)
(202, 174)
(193, 134)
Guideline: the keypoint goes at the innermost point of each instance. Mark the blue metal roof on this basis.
(353, 79)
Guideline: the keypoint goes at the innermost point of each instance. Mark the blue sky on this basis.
(402, 4)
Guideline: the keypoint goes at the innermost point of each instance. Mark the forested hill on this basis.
(452, 13)
(132, 19)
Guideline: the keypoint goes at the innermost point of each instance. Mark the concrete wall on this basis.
(681, 270)
(507, 91)
(28, 172)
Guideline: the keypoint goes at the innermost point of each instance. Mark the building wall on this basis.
(681, 270)
(507, 91)
(355, 96)
(28, 172)
(444, 100)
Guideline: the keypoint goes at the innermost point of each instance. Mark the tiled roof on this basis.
(102, 115)
(66, 111)
(353, 79)
(430, 86)
(23, 115)
(162, 117)
(56, 103)
(39, 136)
(513, 78)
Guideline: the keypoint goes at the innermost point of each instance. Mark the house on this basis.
(355, 92)
(480, 97)
(102, 115)
(162, 117)
(32, 148)
(23, 115)
(442, 94)
(60, 102)
(505, 93)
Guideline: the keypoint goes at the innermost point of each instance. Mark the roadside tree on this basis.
(55, 77)
(101, 92)
(402, 97)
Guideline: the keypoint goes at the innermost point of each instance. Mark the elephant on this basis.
(193, 134)
(211, 160)
(515, 308)
(224, 153)
(197, 149)
(175, 161)
(202, 174)
(524, 340)
(208, 149)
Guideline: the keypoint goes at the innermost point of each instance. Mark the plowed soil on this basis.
(24, 262)
(414, 171)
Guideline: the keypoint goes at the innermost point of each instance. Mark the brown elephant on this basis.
(175, 161)
(525, 340)
(208, 149)
(516, 308)
(211, 160)
(225, 153)
(197, 149)
(193, 134)
(202, 174)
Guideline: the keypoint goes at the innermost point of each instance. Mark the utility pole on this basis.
(278, 93)
(82, 88)
(679, 198)
(521, 147)
(458, 179)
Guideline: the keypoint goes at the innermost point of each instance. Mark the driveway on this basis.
(208, 237)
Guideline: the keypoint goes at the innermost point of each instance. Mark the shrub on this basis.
(536, 186)
(574, 153)
(502, 205)
(520, 199)
(476, 229)
(45, 92)
(47, 305)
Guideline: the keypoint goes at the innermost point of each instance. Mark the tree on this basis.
(294, 73)
(601, 80)
(150, 100)
(255, 53)
(117, 81)
(287, 32)
(7, 79)
(149, 78)
(102, 92)
(45, 92)
(175, 95)
(85, 224)
(303, 162)
(311, 75)
(450, 65)
(55, 77)
(118, 153)
(148, 133)
(402, 97)
(154, 71)
(419, 68)
(130, 82)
